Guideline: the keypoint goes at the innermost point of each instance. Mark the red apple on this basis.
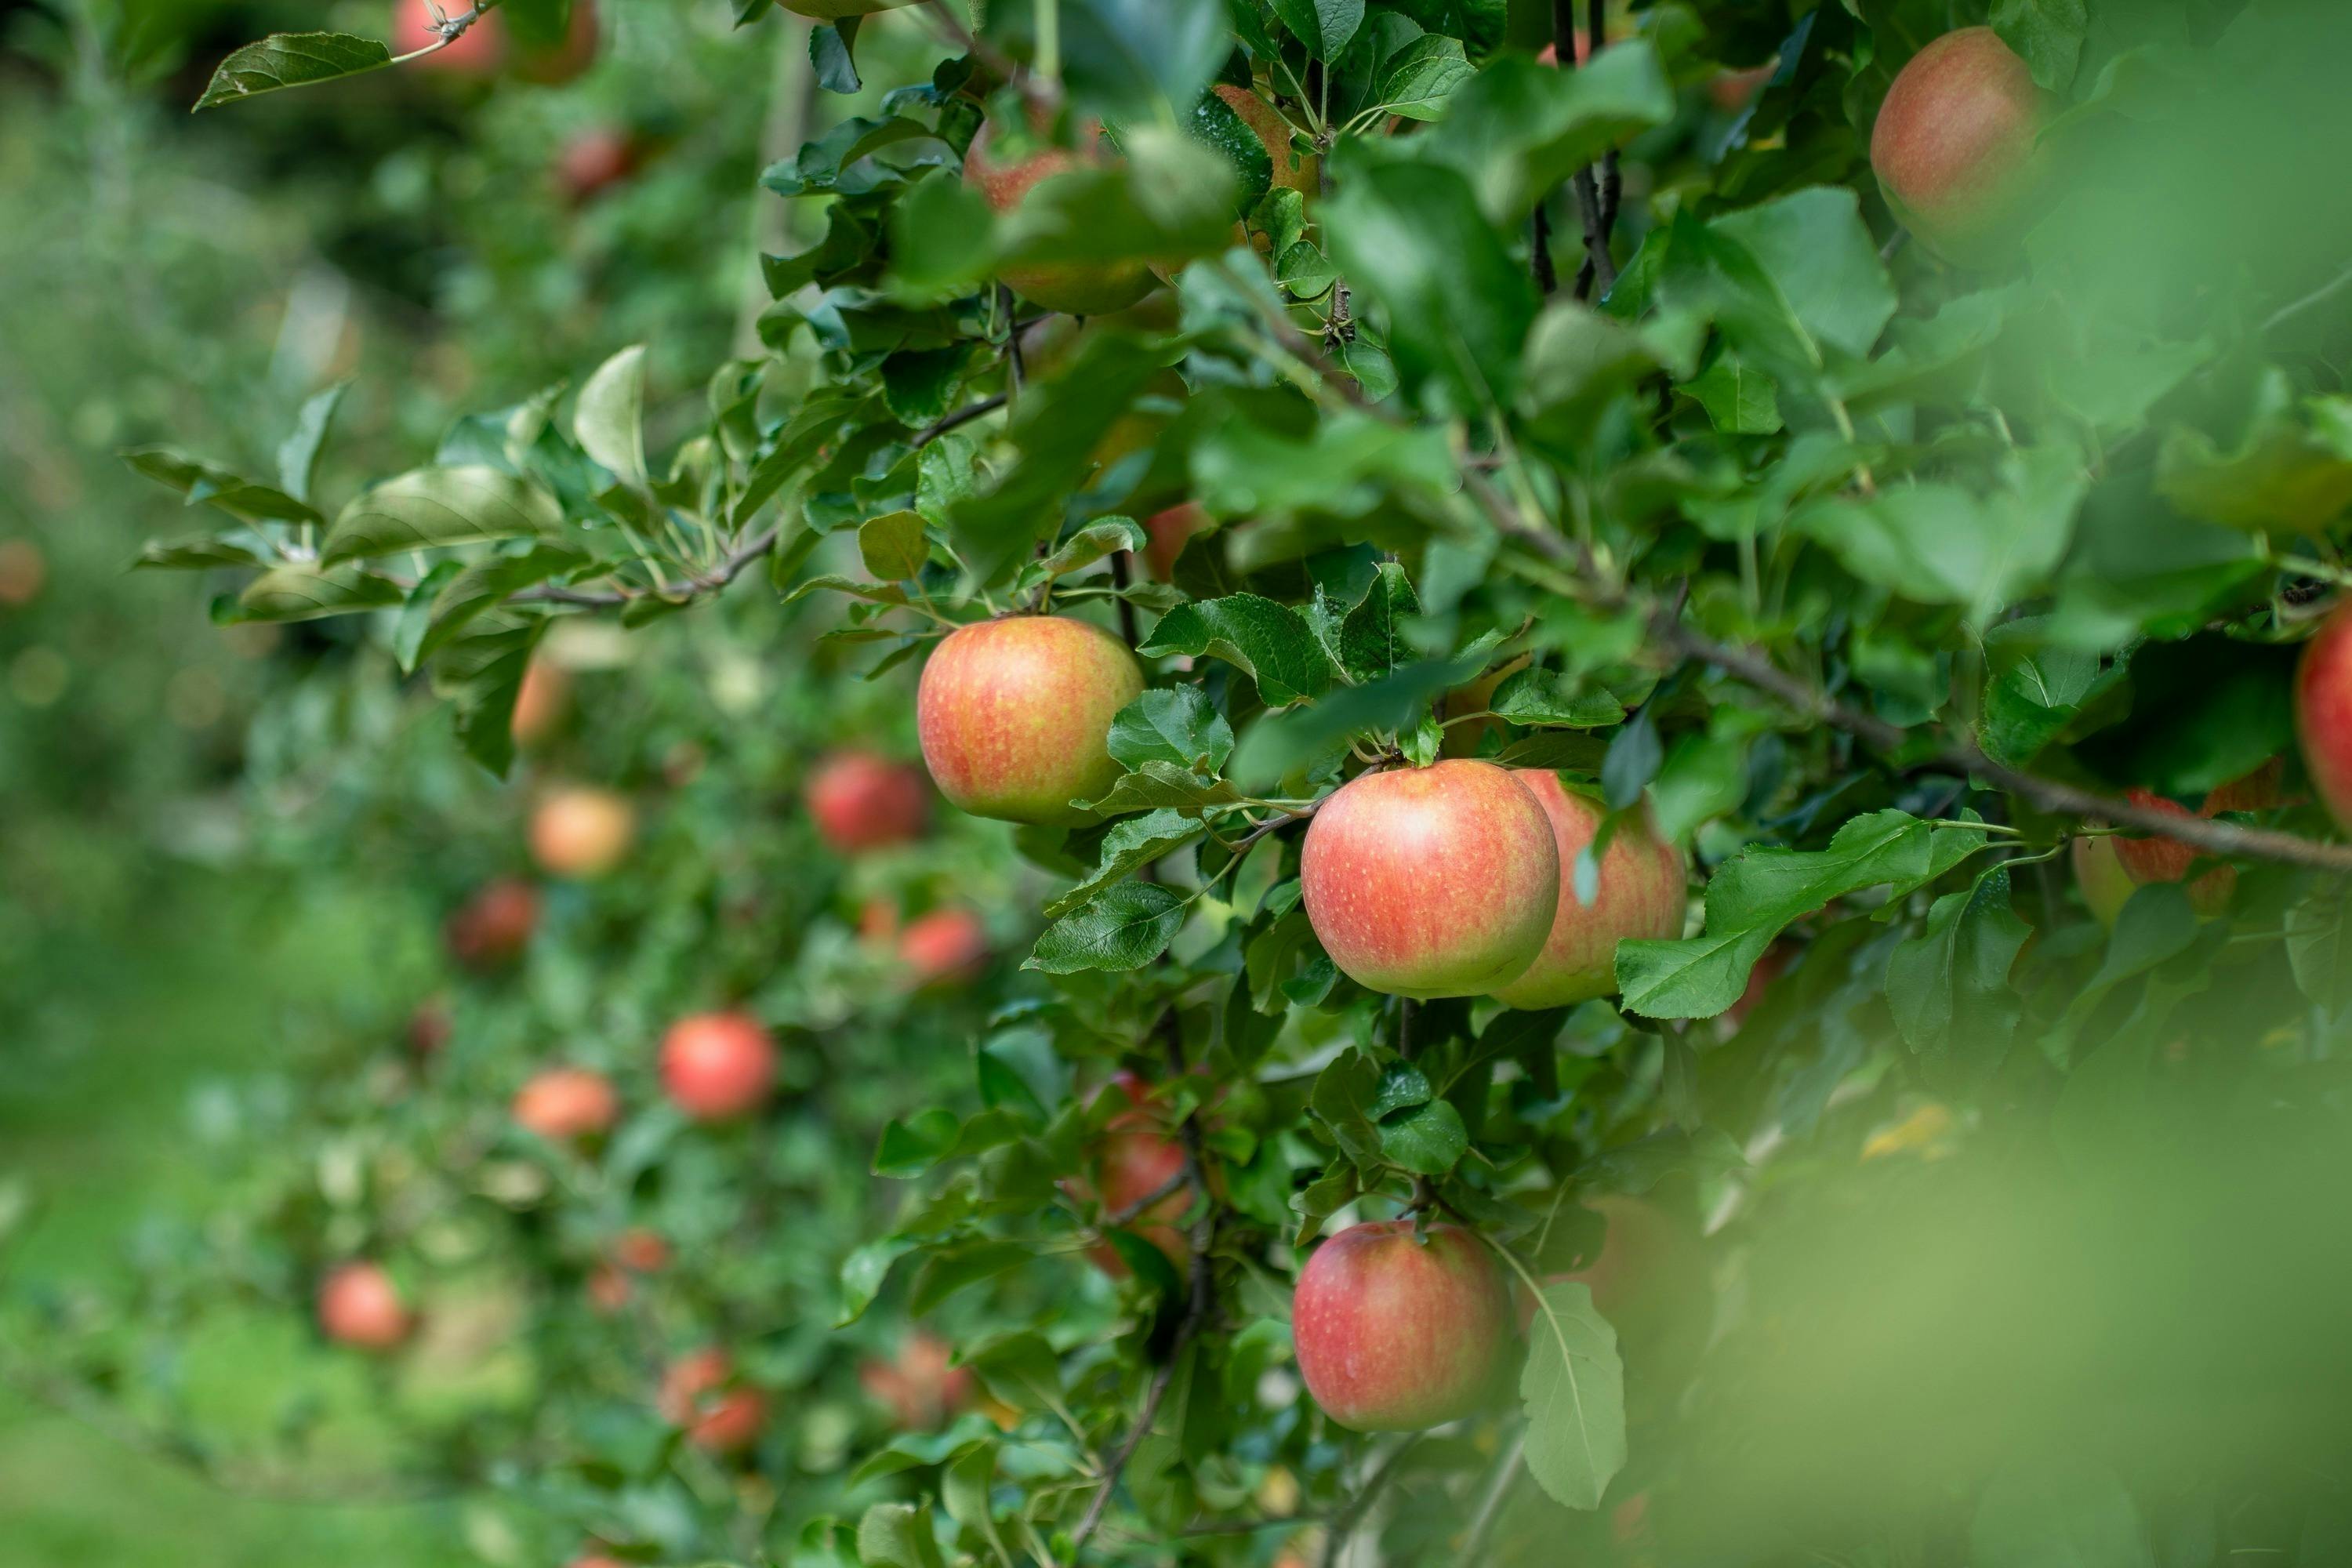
(595, 1561)
(1133, 1160)
(1435, 881)
(479, 50)
(1074, 288)
(1954, 146)
(2322, 711)
(592, 162)
(1169, 533)
(360, 1306)
(608, 1288)
(945, 947)
(2164, 860)
(1732, 91)
(860, 801)
(581, 832)
(552, 62)
(1641, 894)
(561, 1104)
(919, 1387)
(23, 570)
(1013, 715)
(640, 1250)
(718, 1066)
(539, 702)
(491, 929)
(1396, 1333)
(2100, 876)
(699, 1393)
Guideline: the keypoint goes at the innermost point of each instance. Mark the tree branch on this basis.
(1344, 1522)
(961, 417)
(1490, 1507)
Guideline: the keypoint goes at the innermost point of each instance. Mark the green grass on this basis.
(126, 1025)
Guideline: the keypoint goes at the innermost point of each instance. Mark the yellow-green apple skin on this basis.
(1013, 715)
(1641, 895)
(1435, 881)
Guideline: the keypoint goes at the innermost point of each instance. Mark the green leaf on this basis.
(1543, 697)
(2048, 34)
(427, 508)
(1325, 26)
(1751, 900)
(2063, 1513)
(1519, 130)
(2287, 475)
(1342, 1098)
(898, 1535)
(1130, 59)
(1158, 783)
(1817, 252)
(1740, 399)
(1131, 844)
(486, 584)
(610, 419)
(1416, 81)
(298, 592)
(1427, 1140)
(1947, 985)
(1270, 642)
(1091, 543)
(1411, 236)
(232, 493)
(1372, 637)
(830, 55)
(198, 553)
(863, 1273)
(907, 1148)
(955, 1268)
(2320, 947)
(2034, 692)
(1573, 1389)
(1939, 544)
(292, 60)
(1126, 927)
(1177, 725)
(893, 546)
(298, 455)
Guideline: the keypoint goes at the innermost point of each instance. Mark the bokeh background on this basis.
(219, 852)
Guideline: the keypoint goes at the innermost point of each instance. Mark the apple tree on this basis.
(1666, 686)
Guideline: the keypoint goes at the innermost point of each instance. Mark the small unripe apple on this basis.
(2100, 876)
(479, 50)
(1397, 1333)
(2322, 711)
(491, 929)
(360, 1306)
(581, 833)
(860, 801)
(699, 1395)
(1954, 145)
(561, 1104)
(1013, 715)
(918, 1386)
(718, 1066)
(1133, 1159)
(1641, 895)
(1074, 288)
(1435, 881)
(945, 947)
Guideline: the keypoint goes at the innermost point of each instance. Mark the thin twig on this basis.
(1490, 1507)
(1343, 1523)
(1040, 95)
(1121, 575)
(750, 550)
(1126, 1213)
(961, 417)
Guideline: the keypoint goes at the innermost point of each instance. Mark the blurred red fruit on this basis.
(920, 1388)
(696, 1395)
(23, 570)
(860, 801)
(591, 163)
(945, 947)
(564, 1103)
(491, 929)
(360, 1306)
(718, 1066)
